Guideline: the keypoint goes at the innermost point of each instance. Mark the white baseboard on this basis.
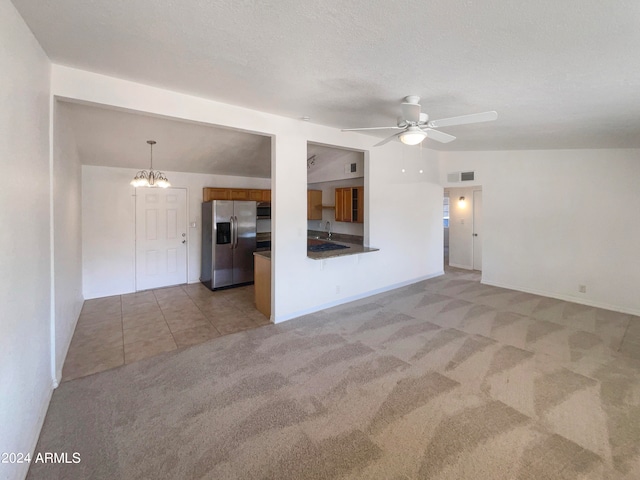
(35, 436)
(58, 374)
(464, 267)
(566, 298)
(317, 308)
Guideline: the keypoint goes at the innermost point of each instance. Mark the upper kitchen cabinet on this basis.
(255, 195)
(239, 194)
(210, 193)
(314, 204)
(350, 204)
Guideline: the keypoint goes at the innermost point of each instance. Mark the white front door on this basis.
(161, 237)
(477, 229)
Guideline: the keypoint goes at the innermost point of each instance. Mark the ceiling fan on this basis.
(416, 125)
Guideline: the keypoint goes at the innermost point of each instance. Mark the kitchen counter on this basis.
(354, 249)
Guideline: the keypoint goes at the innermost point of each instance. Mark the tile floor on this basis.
(114, 331)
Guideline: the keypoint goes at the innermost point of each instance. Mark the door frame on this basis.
(135, 236)
(461, 240)
(473, 230)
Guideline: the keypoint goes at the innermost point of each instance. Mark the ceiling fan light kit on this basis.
(150, 178)
(416, 126)
(412, 136)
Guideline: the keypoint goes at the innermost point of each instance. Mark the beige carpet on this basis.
(445, 379)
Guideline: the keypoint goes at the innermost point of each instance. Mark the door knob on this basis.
(475, 234)
(184, 241)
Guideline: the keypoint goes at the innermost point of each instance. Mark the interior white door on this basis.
(477, 229)
(161, 237)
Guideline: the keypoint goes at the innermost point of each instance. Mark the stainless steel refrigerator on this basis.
(228, 243)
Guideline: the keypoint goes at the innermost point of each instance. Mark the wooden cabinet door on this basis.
(343, 204)
(360, 205)
(314, 204)
(209, 194)
(239, 194)
(350, 204)
(255, 195)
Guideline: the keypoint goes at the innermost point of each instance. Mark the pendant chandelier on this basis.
(150, 178)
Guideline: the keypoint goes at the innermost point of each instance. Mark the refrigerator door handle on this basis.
(232, 232)
(236, 224)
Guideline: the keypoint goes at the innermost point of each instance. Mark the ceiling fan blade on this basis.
(438, 136)
(387, 140)
(370, 128)
(411, 112)
(464, 119)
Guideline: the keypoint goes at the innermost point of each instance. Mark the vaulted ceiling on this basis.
(116, 138)
(561, 74)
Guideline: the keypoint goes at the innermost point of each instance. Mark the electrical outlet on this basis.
(582, 288)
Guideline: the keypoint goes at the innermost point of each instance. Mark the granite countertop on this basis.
(354, 249)
(353, 242)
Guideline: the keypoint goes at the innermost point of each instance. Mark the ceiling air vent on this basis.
(460, 177)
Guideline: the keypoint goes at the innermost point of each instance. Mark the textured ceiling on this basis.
(561, 74)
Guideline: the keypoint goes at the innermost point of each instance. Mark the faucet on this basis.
(327, 227)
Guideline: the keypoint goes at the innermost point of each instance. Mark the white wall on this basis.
(553, 220)
(404, 211)
(329, 214)
(330, 169)
(67, 238)
(108, 224)
(461, 227)
(25, 263)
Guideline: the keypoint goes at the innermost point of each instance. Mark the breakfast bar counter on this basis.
(326, 249)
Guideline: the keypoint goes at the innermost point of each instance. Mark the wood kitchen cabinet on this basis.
(255, 195)
(239, 194)
(210, 193)
(262, 284)
(260, 195)
(350, 204)
(314, 204)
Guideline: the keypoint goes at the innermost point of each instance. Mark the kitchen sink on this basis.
(320, 246)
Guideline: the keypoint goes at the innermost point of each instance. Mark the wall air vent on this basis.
(460, 177)
(350, 168)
